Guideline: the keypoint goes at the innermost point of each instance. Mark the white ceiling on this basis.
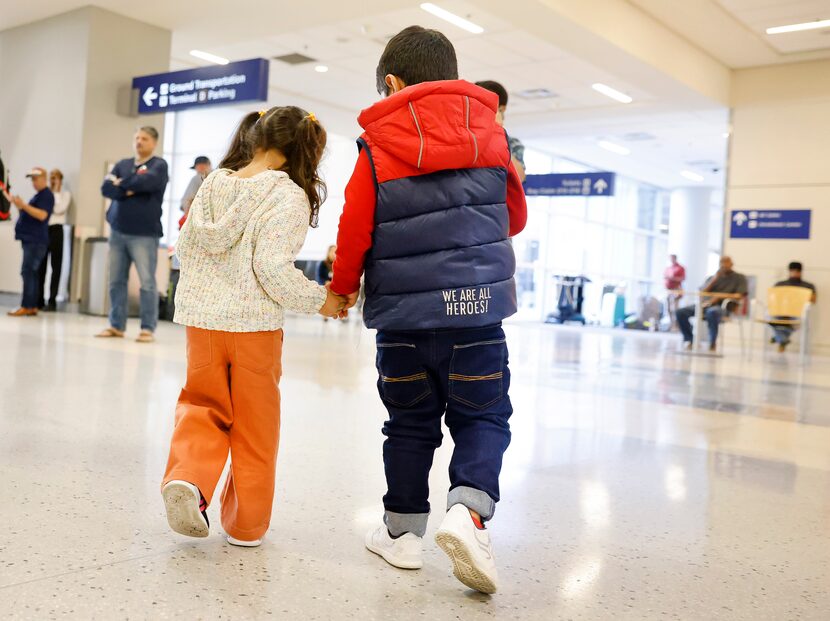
(734, 31)
(349, 37)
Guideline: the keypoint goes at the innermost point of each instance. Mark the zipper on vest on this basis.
(472, 133)
(420, 134)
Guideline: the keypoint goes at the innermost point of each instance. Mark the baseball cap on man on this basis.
(37, 171)
(202, 159)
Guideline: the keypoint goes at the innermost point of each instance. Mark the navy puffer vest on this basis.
(441, 257)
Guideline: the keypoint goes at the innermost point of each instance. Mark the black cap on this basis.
(202, 159)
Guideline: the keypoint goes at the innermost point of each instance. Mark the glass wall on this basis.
(618, 242)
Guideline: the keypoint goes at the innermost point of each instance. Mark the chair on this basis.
(739, 316)
(789, 302)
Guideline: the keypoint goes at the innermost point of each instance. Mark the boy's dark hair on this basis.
(495, 87)
(293, 132)
(150, 131)
(796, 266)
(416, 55)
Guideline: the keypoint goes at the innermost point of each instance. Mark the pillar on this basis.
(59, 108)
(689, 221)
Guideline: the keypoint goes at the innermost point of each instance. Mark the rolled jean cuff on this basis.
(399, 523)
(473, 499)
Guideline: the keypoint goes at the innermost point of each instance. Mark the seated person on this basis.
(783, 333)
(724, 281)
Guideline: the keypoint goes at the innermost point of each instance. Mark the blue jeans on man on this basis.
(125, 250)
(33, 256)
(711, 314)
(423, 375)
(782, 333)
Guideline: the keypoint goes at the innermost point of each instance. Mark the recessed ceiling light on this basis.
(691, 176)
(815, 25)
(452, 18)
(611, 92)
(212, 58)
(321, 68)
(613, 147)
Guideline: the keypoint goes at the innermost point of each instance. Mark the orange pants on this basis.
(230, 402)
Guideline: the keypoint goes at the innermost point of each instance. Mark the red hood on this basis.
(434, 125)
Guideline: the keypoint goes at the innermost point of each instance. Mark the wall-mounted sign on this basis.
(246, 80)
(770, 223)
(571, 184)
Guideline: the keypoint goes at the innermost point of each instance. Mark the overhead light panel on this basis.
(691, 176)
(612, 93)
(211, 58)
(321, 68)
(455, 20)
(816, 25)
(613, 147)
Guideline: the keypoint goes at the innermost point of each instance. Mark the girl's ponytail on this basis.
(241, 149)
(297, 135)
(308, 146)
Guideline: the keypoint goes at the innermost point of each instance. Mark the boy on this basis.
(429, 211)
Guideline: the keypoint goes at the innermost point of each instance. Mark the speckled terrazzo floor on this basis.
(640, 485)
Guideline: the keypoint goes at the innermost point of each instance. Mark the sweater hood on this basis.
(225, 205)
(434, 125)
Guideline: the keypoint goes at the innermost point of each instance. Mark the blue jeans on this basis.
(143, 251)
(424, 374)
(783, 332)
(713, 316)
(33, 256)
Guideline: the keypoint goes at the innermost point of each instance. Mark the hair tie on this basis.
(311, 117)
(262, 113)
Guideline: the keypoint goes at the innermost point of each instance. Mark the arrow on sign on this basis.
(740, 218)
(600, 185)
(149, 96)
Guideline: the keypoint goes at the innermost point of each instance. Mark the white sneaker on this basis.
(403, 552)
(253, 543)
(469, 549)
(182, 500)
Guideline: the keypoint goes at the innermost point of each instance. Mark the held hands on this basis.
(335, 306)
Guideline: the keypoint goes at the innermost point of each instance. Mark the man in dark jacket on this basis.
(32, 230)
(430, 208)
(136, 186)
(725, 281)
(783, 332)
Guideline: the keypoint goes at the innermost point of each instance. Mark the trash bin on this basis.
(95, 297)
(95, 294)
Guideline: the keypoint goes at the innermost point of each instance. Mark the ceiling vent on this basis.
(295, 59)
(536, 93)
(638, 137)
(704, 164)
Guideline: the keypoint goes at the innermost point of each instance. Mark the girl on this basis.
(237, 250)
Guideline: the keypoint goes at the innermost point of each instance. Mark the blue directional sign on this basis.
(571, 184)
(246, 80)
(770, 223)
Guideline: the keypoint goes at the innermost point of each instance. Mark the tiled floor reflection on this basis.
(641, 484)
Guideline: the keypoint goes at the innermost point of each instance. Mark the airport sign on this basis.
(770, 224)
(571, 184)
(246, 80)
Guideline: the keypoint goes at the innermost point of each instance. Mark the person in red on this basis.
(673, 276)
(430, 209)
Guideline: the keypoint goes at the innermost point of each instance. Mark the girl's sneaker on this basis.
(469, 549)
(186, 510)
(244, 544)
(404, 552)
